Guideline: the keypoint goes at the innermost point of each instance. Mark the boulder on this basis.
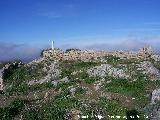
(53, 74)
(72, 90)
(55, 82)
(105, 70)
(149, 69)
(64, 79)
(155, 96)
(156, 57)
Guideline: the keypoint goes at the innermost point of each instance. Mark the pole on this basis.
(52, 45)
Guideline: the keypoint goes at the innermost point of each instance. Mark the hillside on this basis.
(76, 84)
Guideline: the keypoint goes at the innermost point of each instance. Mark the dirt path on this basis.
(94, 95)
(45, 95)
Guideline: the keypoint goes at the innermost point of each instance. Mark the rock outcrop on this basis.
(86, 55)
(156, 57)
(107, 70)
(52, 75)
(155, 96)
(149, 69)
(1, 80)
(152, 110)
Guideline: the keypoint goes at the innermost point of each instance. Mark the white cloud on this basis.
(11, 51)
(125, 45)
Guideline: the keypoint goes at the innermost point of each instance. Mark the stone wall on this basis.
(73, 54)
(76, 54)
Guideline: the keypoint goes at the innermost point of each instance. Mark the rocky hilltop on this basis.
(82, 84)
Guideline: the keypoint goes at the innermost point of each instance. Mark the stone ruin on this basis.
(77, 54)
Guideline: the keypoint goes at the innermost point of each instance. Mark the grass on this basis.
(24, 89)
(113, 108)
(70, 66)
(30, 114)
(24, 73)
(80, 91)
(113, 60)
(17, 89)
(13, 109)
(136, 89)
(1, 65)
(56, 109)
(18, 78)
(59, 105)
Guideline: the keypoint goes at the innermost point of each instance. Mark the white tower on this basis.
(52, 45)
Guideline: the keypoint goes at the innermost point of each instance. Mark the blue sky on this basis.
(31, 24)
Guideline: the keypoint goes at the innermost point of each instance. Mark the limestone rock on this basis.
(148, 68)
(55, 82)
(1, 80)
(64, 79)
(72, 90)
(156, 57)
(106, 69)
(155, 96)
(53, 74)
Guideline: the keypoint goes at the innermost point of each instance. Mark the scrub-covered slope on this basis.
(92, 85)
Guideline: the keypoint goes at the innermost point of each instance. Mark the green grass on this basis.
(56, 109)
(17, 89)
(112, 107)
(113, 60)
(59, 105)
(18, 78)
(13, 109)
(25, 73)
(83, 76)
(70, 66)
(133, 89)
(137, 89)
(31, 114)
(1, 65)
(80, 91)
(24, 89)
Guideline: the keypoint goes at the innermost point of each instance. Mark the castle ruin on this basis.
(77, 54)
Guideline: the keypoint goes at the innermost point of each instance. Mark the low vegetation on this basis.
(13, 109)
(137, 87)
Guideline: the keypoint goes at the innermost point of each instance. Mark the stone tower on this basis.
(146, 52)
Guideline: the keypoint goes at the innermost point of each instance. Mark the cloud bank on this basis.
(126, 45)
(12, 51)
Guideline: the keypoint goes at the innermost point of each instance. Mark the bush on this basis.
(4, 114)
(10, 70)
(30, 114)
(41, 54)
(132, 115)
(12, 110)
(112, 107)
(72, 49)
(56, 109)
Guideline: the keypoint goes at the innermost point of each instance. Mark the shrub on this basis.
(132, 115)
(31, 114)
(12, 110)
(10, 70)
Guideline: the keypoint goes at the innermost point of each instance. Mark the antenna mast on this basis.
(52, 45)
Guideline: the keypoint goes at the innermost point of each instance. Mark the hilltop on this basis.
(72, 84)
